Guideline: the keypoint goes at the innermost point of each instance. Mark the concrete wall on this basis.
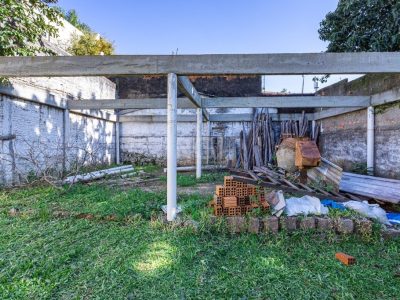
(344, 138)
(33, 109)
(146, 142)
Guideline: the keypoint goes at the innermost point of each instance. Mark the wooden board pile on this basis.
(236, 198)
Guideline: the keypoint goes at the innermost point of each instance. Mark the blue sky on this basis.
(210, 26)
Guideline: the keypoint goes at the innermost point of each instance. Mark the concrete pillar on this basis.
(198, 141)
(208, 142)
(171, 146)
(117, 145)
(371, 140)
(66, 136)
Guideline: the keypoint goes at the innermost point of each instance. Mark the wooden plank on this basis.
(287, 102)
(262, 64)
(149, 103)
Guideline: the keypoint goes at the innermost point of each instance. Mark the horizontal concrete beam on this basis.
(210, 64)
(227, 102)
(332, 112)
(213, 118)
(150, 103)
(287, 102)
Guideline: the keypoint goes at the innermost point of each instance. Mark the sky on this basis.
(211, 26)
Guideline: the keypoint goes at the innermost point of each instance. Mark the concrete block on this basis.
(391, 234)
(307, 223)
(236, 224)
(254, 225)
(271, 224)
(363, 226)
(323, 224)
(288, 223)
(344, 226)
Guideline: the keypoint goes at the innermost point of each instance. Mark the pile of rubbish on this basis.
(308, 205)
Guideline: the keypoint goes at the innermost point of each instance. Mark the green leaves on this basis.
(22, 25)
(359, 25)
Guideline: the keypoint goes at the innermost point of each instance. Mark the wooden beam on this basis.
(149, 103)
(210, 64)
(287, 101)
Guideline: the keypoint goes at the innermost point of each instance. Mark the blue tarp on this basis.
(332, 204)
(394, 218)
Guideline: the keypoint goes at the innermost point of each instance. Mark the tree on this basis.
(91, 44)
(362, 25)
(22, 25)
(72, 17)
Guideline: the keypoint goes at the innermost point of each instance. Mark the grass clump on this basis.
(185, 180)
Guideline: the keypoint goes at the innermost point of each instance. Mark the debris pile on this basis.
(236, 198)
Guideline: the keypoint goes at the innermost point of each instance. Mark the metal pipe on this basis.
(198, 141)
(171, 146)
(370, 140)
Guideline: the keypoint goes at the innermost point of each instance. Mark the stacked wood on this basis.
(257, 146)
(236, 198)
(295, 129)
(383, 189)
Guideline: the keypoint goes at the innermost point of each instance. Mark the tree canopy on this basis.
(23, 23)
(362, 25)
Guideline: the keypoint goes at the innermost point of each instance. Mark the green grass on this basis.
(44, 257)
(191, 180)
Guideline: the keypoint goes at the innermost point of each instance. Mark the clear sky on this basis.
(210, 26)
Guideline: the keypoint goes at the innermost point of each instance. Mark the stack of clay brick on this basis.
(236, 198)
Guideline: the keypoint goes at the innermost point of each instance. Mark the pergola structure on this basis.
(178, 67)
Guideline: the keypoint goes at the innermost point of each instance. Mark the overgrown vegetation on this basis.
(360, 25)
(47, 256)
(23, 23)
(91, 43)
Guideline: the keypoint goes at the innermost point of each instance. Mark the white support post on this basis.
(198, 141)
(171, 146)
(66, 136)
(208, 141)
(117, 146)
(370, 140)
(313, 124)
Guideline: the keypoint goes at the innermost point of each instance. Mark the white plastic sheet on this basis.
(304, 206)
(372, 211)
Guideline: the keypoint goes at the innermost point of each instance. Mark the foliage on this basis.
(362, 25)
(72, 17)
(91, 44)
(46, 257)
(23, 23)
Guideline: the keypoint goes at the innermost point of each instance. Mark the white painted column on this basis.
(313, 124)
(66, 137)
(370, 140)
(198, 141)
(171, 146)
(117, 146)
(208, 141)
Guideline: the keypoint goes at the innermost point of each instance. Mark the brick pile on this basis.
(236, 198)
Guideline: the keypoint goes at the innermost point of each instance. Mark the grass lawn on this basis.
(43, 256)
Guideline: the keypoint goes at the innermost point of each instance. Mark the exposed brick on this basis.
(271, 224)
(307, 223)
(254, 225)
(344, 226)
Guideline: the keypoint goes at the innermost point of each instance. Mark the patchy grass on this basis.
(191, 180)
(44, 257)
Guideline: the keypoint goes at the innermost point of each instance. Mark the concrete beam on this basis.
(213, 118)
(210, 64)
(332, 112)
(189, 90)
(287, 102)
(149, 103)
(389, 96)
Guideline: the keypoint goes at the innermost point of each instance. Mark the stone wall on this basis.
(344, 138)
